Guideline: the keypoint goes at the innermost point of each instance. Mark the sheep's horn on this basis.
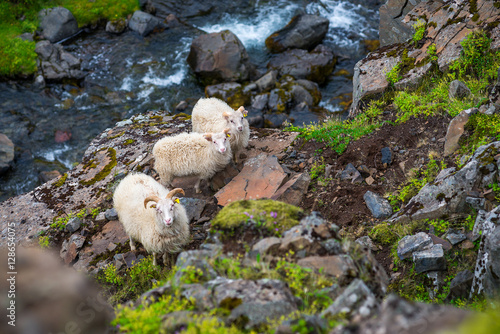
(226, 130)
(242, 110)
(152, 198)
(175, 192)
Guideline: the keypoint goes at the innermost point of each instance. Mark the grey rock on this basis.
(279, 100)
(300, 95)
(153, 295)
(340, 266)
(27, 36)
(275, 120)
(56, 63)
(267, 245)
(356, 300)
(223, 90)
(492, 274)
(379, 206)
(458, 90)
(460, 285)
(259, 102)
(73, 224)
(201, 295)
(478, 225)
(143, 23)
(116, 26)
(392, 28)
(194, 260)
(101, 217)
(412, 243)
(386, 155)
(429, 259)
(57, 24)
(332, 246)
(475, 202)
(255, 302)
(128, 259)
(6, 153)
(303, 32)
(455, 237)
(367, 242)
(39, 82)
(111, 214)
(350, 173)
(194, 207)
(313, 323)
(267, 81)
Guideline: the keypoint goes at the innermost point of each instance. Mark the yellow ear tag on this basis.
(153, 206)
(177, 200)
(228, 135)
(244, 115)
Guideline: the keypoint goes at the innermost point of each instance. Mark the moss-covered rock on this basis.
(272, 214)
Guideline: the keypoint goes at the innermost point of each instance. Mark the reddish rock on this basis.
(438, 241)
(62, 136)
(47, 176)
(335, 265)
(456, 130)
(293, 190)
(260, 178)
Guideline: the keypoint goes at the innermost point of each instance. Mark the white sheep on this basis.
(192, 154)
(214, 115)
(162, 227)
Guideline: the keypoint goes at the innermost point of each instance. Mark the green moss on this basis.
(117, 135)
(238, 213)
(61, 180)
(475, 17)
(111, 153)
(182, 115)
(128, 142)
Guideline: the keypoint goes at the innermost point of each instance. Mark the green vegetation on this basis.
(266, 215)
(18, 57)
(420, 27)
(44, 241)
(59, 223)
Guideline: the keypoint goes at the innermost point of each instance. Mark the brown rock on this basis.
(260, 178)
(438, 241)
(295, 243)
(369, 180)
(456, 130)
(335, 265)
(293, 190)
(267, 245)
(46, 176)
(467, 244)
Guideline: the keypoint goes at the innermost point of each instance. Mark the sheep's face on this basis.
(235, 120)
(220, 140)
(165, 211)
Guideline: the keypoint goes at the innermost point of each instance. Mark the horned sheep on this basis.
(214, 115)
(192, 154)
(161, 227)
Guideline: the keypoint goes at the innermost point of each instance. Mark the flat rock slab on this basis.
(413, 243)
(429, 259)
(335, 265)
(260, 177)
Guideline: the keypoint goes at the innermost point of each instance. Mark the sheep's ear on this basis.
(226, 115)
(243, 111)
(208, 136)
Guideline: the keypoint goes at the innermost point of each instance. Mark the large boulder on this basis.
(6, 153)
(392, 29)
(302, 32)
(316, 65)
(219, 57)
(57, 24)
(144, 23)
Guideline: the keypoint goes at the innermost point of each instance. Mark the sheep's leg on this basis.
(167, 260)
(197, 186)
(132, 244)
(154, 259)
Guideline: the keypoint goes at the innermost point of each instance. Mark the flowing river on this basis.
(129, 74)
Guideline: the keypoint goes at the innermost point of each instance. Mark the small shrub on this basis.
(419, 27)
(44, 241)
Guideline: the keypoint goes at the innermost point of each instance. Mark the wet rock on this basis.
(111, 214)
(429, 259)
(302, 32)
(339, 266)
(294, 189)
(39, 82)
(351, 173)
(412, 243)
(6, 153)
(458, 90)
(267, 245)
(57, 23)
(398, 315)
(219, 57)
(194, 207)
(56, 63)
(379, 206)
(460, 285)
(456, 130)
(116, 26)
(255, 303)
(260, 177)
(455, 237)
(267, 81)
(356, 300)
(386, 155)
(316, 65)
(144, 23)
(73, 224)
